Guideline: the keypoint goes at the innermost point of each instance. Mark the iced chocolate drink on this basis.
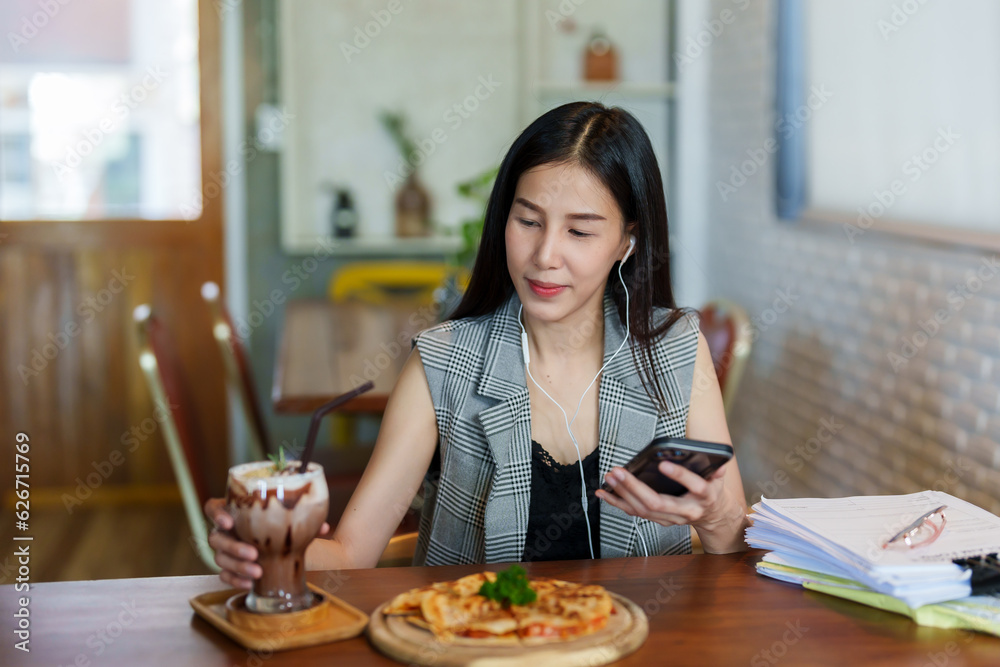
(279, 513)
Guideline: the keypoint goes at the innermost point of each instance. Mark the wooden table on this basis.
(703, 610)
(327, 349)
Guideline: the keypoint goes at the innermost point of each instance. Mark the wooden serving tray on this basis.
(625, 632)
(341, 621)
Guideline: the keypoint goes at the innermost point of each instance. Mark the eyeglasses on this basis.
(921, 532)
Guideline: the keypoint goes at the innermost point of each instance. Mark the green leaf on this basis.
(510, 587)
(395, 124)
(279, 461)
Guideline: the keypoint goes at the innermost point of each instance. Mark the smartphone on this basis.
(701, 458)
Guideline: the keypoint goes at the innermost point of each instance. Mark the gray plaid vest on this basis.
(476, 502)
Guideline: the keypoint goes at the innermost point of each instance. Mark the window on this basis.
(908, 124)
(99, 110)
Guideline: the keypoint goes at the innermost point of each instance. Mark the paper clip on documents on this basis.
(922, 531)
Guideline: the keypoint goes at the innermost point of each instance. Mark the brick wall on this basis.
(825, 408)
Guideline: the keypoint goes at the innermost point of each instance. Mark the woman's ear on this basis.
(630, 236)
(630, 228)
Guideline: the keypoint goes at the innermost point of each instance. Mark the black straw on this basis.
(318, 415)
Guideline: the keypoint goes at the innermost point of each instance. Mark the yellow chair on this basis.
(383, 282)
(399, 552)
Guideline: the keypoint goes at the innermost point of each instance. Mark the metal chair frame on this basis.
(166, 387)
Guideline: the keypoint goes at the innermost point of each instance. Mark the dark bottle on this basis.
(345, 218)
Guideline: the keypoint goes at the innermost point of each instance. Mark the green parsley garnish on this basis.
(279, 461)
(511, 587)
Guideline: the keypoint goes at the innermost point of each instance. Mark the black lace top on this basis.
(556, 528)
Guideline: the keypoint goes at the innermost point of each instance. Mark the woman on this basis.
(507, 442)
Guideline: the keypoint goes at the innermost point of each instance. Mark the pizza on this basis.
(456, 612)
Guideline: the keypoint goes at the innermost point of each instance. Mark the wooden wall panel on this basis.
(83, 404)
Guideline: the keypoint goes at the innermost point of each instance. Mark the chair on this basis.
(399, 552)
(696, 545)
(381, 282)
(726, 328)
(239, 374)
(160, 366)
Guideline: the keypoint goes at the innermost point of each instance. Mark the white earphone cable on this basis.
(642, 540)
(569, 422)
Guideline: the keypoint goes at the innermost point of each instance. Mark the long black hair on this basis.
(612, 145)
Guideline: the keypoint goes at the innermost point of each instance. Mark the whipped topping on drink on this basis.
(261, 480)
(280, 513)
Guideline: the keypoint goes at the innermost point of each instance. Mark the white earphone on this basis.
(569, 422)
(631, 246)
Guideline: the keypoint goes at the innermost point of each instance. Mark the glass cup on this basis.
(279, 513)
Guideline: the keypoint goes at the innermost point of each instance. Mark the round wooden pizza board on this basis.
(625, 632)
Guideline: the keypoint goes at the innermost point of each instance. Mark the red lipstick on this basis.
(545, 289)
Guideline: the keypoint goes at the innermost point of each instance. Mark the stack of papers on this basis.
(835, 545)
(976, 612)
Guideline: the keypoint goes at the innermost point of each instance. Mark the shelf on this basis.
(663, 90)
(377, 246)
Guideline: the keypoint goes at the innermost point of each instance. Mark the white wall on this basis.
(899, 112)
(341, 65)
(688, 208)
(234, 202)
(825, 409)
